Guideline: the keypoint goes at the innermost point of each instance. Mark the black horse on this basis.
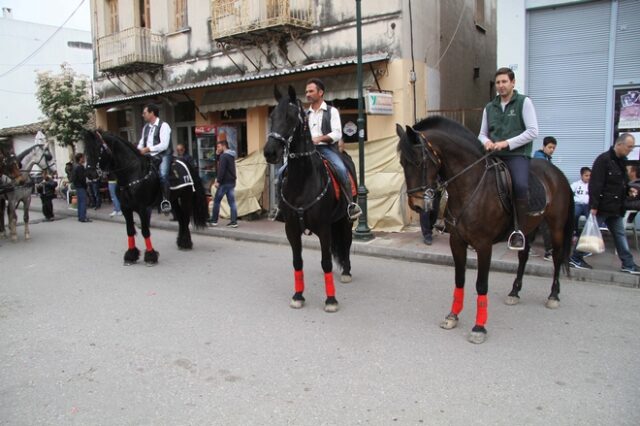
(475, 215)
(139, 190)
(308, 200)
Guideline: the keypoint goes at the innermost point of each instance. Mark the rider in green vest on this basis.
(509, 125)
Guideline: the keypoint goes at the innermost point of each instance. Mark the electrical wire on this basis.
(43, 43)
(464, 6)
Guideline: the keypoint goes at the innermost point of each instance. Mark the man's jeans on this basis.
(114, 196)
(164, 168)
(334, 158)
(227, 189)
(81, 194)
(616, 227)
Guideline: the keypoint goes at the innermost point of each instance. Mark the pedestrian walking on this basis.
(225, 182)
(79, 179)
(113, 193)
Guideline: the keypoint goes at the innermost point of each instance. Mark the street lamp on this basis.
(362, 231)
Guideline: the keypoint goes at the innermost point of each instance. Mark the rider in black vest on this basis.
(156, 141)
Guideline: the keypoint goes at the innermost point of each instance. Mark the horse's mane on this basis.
(113, 138)
(438, 127)
(26, 152)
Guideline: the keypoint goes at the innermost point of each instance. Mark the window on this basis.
(479, 15)
(180, 17)
(144, 10)
(112, 17)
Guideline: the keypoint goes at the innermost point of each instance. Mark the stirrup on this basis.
(165, 206)
(353, 211)
(516, 241)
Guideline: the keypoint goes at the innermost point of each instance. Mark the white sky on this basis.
(51, 12)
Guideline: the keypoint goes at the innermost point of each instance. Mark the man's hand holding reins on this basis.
(496, 146)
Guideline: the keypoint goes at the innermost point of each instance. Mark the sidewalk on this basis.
(406, 246)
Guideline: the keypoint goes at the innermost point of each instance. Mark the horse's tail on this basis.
(200, 212)
(341, 238)
(569, 225)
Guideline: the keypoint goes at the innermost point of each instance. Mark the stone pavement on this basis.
(405, 245)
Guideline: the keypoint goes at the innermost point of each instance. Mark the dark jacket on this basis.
(542, 155)
(226, 168)
(79, 176)
(608, 184)
(47, 188)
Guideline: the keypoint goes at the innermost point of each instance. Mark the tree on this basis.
(65, 101)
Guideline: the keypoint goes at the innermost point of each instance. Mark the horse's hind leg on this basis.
(181, 208)
(459, 252)
(559, 256)
(295, 241)
(13, 223)
(523, 256)
(132, 254)
(26, 204)
(3, 207)
(341, 239)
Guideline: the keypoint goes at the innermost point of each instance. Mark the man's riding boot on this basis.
(353, 209)
(517, 239)
(165, 205)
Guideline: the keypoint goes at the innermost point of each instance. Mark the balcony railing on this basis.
(235, 18)
(129, 49)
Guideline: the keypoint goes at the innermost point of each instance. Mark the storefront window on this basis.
(627, 116)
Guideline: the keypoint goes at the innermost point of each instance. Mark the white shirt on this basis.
(580, 192)
(315, 123)
(530, 123)
(165, 137)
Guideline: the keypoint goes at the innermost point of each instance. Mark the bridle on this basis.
(104, 148)
(46, 155)
(431, 190)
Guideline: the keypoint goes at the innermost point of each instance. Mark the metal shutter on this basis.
(626, 69)
(568, 53)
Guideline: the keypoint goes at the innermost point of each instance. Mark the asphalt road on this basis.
(206, 337)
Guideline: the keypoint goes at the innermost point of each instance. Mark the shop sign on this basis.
(206, 130)
(378, 102)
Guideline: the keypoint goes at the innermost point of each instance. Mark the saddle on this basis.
(537, 195)
(333, 173)
(179, 175)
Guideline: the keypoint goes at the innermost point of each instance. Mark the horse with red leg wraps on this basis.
(438, 153)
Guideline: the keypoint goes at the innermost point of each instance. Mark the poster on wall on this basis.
(628, 108)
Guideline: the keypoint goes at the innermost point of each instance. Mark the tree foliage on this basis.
(66, 102)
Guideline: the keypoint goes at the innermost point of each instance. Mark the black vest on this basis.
(326, 120)
(156, 138)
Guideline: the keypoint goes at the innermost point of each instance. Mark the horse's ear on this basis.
(412, 136)
(292, 93)
(399, 131)
(277, 93)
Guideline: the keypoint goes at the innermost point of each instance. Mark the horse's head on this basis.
(421, 165)
(42, 157)
(98, 153)
(9, 165)
(287, 118)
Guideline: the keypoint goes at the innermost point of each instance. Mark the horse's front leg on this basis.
(459, 252)
(3, 208)
(479, 332)
(13, 221)
(132, 254)
(330, 304)
(294, 235)
(523, 256)
(150, 255)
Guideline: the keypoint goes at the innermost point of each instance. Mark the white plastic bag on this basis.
(591, 238)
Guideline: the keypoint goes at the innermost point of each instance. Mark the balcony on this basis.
(253, 20)
(131, 50)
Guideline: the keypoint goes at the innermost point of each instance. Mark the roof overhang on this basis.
(222, 81)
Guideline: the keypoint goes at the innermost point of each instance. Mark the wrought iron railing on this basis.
(131, 46)
(232, 17)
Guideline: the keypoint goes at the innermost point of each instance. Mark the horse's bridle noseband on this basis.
(428, 153)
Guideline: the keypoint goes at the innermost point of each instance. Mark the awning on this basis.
(337, 87)
(342, 89)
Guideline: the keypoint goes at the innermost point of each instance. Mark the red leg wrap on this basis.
(147, 242)
(131, 241)
(328, 284)
(299, 281)
(481, 315)
(458, 300)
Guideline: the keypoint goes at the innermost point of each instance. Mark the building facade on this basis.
(212, 65)
(579, 62)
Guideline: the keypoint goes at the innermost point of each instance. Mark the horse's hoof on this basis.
(511, 300)
(296, 304)
(151, 263)
(345, 278)
(477, 336)
(451, 321)
(552, 303)
(331, 307)
(129, 263)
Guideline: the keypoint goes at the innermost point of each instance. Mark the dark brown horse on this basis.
(438, 153)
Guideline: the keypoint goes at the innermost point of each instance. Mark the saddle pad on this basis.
(334, 181)
(179, 175)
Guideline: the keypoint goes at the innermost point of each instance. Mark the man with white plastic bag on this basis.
(608, 190)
